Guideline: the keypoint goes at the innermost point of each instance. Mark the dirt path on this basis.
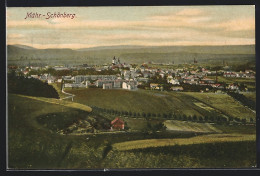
(70, 95)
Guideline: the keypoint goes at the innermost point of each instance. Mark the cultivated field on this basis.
(223, 103)
(175, 125)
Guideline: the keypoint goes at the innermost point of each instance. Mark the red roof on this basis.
(117, 120)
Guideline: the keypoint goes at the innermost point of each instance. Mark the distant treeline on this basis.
(244, 100)
(89, 71)
(30, 87)
(213, 118)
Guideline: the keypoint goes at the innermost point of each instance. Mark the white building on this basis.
(87, 84)
(131, 85)
(173, 81)
(107, 86)
(59, 80)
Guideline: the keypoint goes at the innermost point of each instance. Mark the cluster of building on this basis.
(45, 77)
(246, 74)
(101, 81)
(129, 76)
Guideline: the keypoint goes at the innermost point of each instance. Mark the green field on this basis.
(189, 103)
(223, 103)
(138, 101)
(34, 142)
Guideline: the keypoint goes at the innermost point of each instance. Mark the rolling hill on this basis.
(22, 55)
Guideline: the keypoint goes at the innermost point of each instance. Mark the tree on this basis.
(184, 117)
(195, 118)
(243, 121)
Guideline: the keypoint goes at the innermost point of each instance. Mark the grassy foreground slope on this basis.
(32, 145)
(207, 155)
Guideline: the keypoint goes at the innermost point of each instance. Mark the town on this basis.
(131, 87)
(149, 76)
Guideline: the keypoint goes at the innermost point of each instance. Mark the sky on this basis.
(143, 25)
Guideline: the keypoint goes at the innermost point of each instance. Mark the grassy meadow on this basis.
(34, 141)
(184, 103)
(137, 101)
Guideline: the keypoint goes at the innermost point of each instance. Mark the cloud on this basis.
(15, 36)
(190, 12)
(240, 24)
(189, 26)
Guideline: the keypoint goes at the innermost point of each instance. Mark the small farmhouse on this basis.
(117, 124)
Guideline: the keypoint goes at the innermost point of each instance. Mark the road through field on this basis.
(62, 103)
(70, 95)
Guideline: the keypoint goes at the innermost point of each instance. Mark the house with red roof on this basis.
(117, 124)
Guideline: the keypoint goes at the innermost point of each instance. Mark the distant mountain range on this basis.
(22, 54)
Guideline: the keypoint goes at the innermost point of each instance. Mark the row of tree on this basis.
(214, 118)
(88, 71)
(243, 99)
